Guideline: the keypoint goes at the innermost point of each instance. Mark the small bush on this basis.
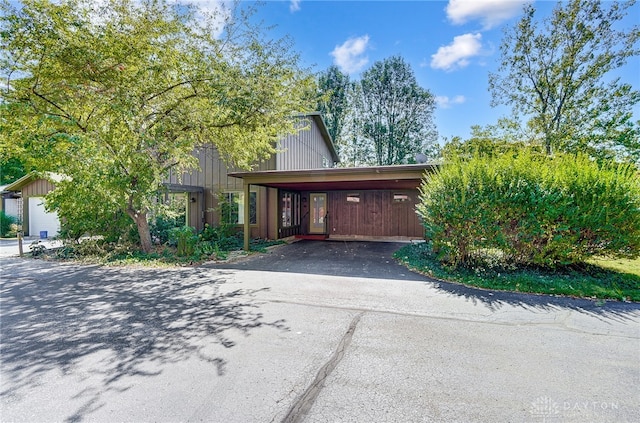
(161, 227)
(185, 240)
(532, 209)
(37, 249)
(585, 280)
(7, 224)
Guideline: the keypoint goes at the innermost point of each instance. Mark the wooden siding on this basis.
(37, 188)
(305, 150)
(272, 222)
(213, 172)
(213, 176)
(375, 215)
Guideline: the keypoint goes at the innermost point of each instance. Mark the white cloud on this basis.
(210, 7)
(294, 5)
(457, 54)
(446, 102)
(489, 12)
(216, 10)
(349, 56)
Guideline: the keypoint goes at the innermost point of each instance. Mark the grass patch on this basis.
(604, 279)
(620, 265)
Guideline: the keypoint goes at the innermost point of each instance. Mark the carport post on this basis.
(247, 223)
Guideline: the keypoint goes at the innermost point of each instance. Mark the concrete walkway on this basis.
(9, 247)
(241, 343)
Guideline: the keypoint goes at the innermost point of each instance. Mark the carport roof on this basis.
(346, 178)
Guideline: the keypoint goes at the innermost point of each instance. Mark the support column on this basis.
(247, 216)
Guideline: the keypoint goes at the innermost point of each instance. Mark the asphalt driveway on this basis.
(273, 338)
(331, 258)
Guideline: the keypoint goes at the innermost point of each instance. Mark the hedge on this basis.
(532, 210)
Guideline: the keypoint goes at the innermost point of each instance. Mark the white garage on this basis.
(40, 220)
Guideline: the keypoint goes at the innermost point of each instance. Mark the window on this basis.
(290, 206)
(400, 198)
(174, 210)
(233, 211)
(353, 198)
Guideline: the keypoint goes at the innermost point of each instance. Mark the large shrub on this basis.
(532, 210)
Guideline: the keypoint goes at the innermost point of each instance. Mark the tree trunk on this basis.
(140, 217)
(547, 145)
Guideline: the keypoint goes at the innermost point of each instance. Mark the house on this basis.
(26, 196)
(310, 148)
(299, 192)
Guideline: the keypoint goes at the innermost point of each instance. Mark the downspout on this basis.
(247, 223)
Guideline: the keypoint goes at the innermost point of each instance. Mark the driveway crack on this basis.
(303, 404)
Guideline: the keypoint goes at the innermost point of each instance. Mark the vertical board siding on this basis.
(213, 172)
(213, 176)
(37, 188)
(306, 149)
(377, 214)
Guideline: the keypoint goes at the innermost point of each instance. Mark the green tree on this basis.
(334, 105)
(11, 169)
(12, 166)
(558, 73)
(506, 136)
(395, 114)
(356, 150)
(115, 94)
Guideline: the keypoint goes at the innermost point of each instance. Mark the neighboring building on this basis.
(11, 203)
(29, 192)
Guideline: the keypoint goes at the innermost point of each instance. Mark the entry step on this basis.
(313, 237)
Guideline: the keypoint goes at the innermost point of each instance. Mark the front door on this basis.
(318, 213)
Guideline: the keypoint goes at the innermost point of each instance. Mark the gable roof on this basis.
(317, 118)
(33, 176)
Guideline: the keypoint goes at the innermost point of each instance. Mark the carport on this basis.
(340, 203)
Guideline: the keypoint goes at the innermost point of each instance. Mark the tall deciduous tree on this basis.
(396, 113)
(334, 102)
(507, 135)
(116, 93)
(356, 149)
(558, 73)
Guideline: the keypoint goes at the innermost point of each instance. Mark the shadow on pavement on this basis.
(120, 320)
(375, 260)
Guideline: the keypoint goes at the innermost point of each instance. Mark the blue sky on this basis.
(451, 45)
